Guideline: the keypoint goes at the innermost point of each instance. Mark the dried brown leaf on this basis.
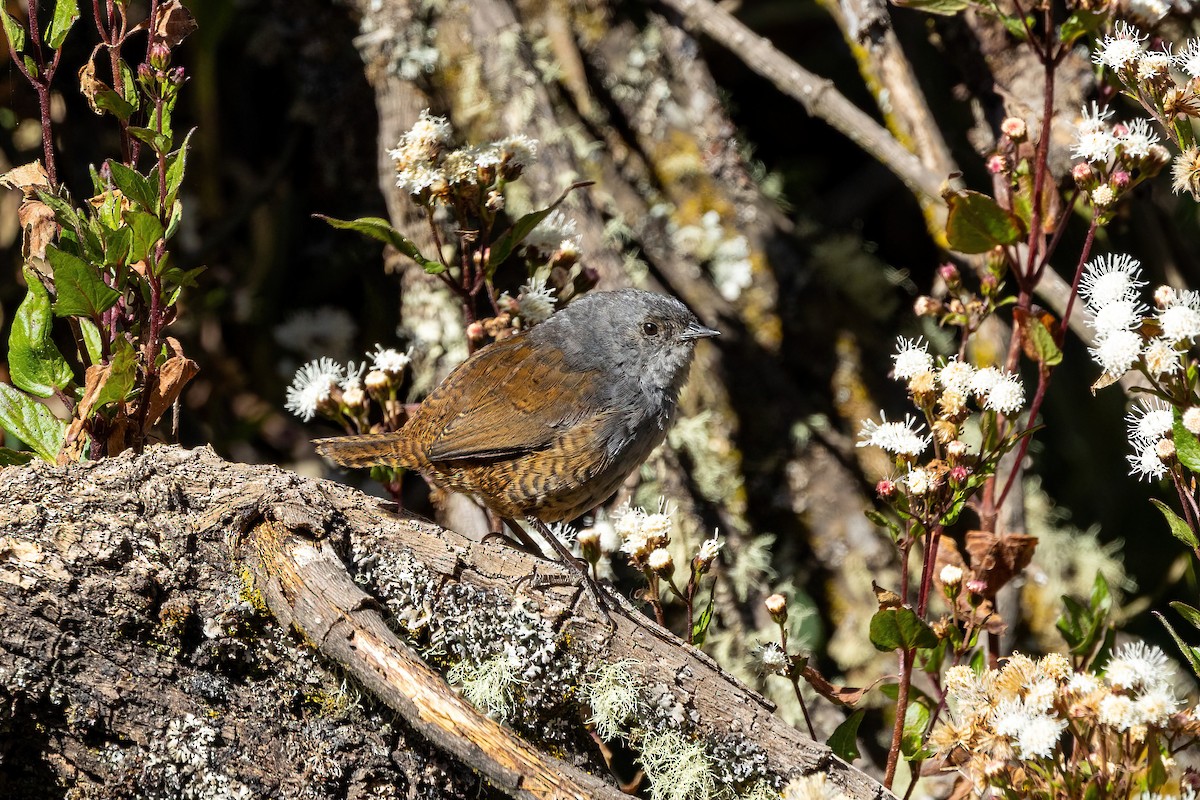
(996, 560)
(27, 177)
(172, 23)
(173, 375)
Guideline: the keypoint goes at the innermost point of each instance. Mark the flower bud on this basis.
(659, 561)
(589, 544)
(1165, 450)
(1083, 175)
(1014, 128)
(160, 55)
(926, 306)
(997, 164)
(777, 607)
(949, 273)
(1191, 420)
(1164, 296)
(354, 397)
(377, 381)
(885, 489)
(951, 575)
(1121, 179)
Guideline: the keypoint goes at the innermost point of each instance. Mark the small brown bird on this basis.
(548, 423)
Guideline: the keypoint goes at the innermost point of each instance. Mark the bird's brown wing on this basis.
(515, 398)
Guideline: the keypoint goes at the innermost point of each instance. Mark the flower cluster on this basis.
(347, 394)
(1126, 337)
(432, 173)
(1039, 729)
(1164, 83)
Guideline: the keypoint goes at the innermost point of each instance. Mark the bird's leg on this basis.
(519, 538)
(595, 591)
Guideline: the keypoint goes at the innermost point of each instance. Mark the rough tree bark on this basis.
(180, 626)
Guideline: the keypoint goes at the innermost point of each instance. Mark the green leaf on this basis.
(381, 230)
(114, 104)
(14, 458)
(900, 629)
(65, 14)
(160, 142)
(121, 377)
(1015, 28)
(64, 213)
(916, 720)
(176, 164)
(147, 231)
(134, 185)
(1187, 448)
(92, 341)
(946, 8)
(129, 84)
(1187, 612)
(844, 741)
(117, 244)
(1192, 654)
(34, 362)
(700, 626)
(1080, 23)
(31, 422)
(1179, 528)
(976, 223)
(511, 238)
(81, 290)
(516, 233)
(31, 66)
(14, 30)
(1043, 343)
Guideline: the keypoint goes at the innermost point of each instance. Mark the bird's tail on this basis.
(369, 450)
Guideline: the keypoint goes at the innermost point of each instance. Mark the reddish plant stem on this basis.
(932, 537)
(1040, 166)
(893, 757)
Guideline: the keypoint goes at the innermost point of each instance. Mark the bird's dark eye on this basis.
(650, 328)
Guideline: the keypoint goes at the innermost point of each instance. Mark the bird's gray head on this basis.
(636, 337)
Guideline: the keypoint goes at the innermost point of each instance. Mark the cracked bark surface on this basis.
(180, 626)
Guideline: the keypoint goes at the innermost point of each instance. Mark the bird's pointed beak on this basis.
(698, 331)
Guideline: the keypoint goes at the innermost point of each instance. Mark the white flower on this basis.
(1118, 315)
(1118, 711)
(1117, 352)
(1094, 146)
(518, 150)
(912, 358)
(1103, 196)
(1156, 706)
(1109, 278)
(311, 387)
(1039, 735)
(1145, 463)
(418, 177)
(956, 375)
(951, 575)
(1094, 141)
(900, 438)
(1121, 49)
(551, 231)
(983, 380)
(1138, 139)
(386, 359)
(1162, 358)
(1083, 683)
(709, 549)
(1180, 320)
(773, 659)
(1149, 421)
(1006, 395)
(1154, 63)
(535, 303)
(1138, 666)
(641, 533)
(1188, 58)
(920, 481)
(423, 141)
